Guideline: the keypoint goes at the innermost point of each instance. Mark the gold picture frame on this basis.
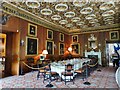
(75, 38)
(114, 35)
(2, 44)
(61, 48)
(31, 46)
(61, 37)
(49, 34)
(32, 30)
(75, 48)
(50, 47)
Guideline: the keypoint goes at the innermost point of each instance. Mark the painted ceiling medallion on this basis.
(93, 21)
(69, 14)
(56, 17)
(75, 19)
(107, 5)
(46, 11)
(91, 16)
(108, 13)
(109, 22)
(69, 25)
(87, 10)
(61, 7)
(108, 18)
(32, 3)
(84, 26)
(63, 22)
(80, 23)
(95, 24)
(79, 3)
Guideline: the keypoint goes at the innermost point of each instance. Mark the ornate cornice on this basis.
(23, 14)
(28, 16)
(97, 30)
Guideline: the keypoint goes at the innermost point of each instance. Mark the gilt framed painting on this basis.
(2, 44)
(75, 38)
(61, 48)
(50, 47)
(114, 35)
(61, 37)
(31, 46)
(32, 30)
(76, 48)
(49, 34)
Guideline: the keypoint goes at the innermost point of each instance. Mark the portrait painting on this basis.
(114, 35)
(2, 44)
(31, 46)
(76, 48)
(50, 34)
(50, 47)
(32, 29)
(61, 36)
(61, 48)
(75, 38)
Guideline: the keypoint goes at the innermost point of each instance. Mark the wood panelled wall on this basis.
(15, 24)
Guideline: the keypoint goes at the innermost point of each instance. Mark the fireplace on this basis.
(93, 54)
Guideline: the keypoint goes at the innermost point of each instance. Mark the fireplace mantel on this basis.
(94, 53)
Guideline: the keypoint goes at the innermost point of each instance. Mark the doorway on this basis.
(9, 54)
(110, 51)
(2, 53)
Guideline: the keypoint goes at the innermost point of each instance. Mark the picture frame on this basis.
(75, 38)
(31, 46)
(50, 47)
(49, 34)
(61, 37)
(114, 35)
(75, 48)
(2, 44)
(32, 30)
(92, 42)
(61, 48)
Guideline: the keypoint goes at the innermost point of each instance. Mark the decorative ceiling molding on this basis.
(93, 31)
(67, 17)
(21, 13)
(100, 29)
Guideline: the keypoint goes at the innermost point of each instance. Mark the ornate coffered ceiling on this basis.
(78, 15)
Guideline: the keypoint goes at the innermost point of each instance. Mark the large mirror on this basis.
(92, 42)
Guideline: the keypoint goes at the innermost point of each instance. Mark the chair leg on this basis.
(73, 79)
(65, 80)
(38, 75)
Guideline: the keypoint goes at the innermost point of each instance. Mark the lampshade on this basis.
(45, 52)
(70, 49)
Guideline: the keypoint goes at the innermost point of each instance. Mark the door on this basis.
(110, 50)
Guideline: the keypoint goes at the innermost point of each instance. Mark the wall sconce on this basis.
(99, 46)
(21, 42)
(45, 52)
(85, 47)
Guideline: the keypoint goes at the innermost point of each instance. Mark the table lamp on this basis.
(45, 52)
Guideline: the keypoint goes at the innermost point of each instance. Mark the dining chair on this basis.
(50, 75)
(68, 74)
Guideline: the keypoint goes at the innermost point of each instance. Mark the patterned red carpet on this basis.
(103, 79)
